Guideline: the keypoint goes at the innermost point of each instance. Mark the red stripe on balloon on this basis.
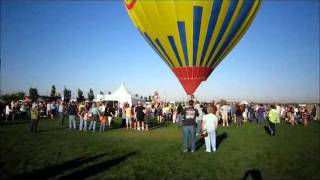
(191, 77)
(131, 4)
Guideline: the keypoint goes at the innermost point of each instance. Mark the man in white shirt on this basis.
(8, 111)
(61, 112)
(48, 109)
(224, 114)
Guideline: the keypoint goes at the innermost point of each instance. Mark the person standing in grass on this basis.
(210, 124)
(103, 120)
(245, 114)
(48, 109)
(190, 114)
(199, 108)
(174, 114)
(52, 109)
(261, 112)
(34, 117)
(273, 119)
(304, 113)
(290, 116)
(159, 113)
(133, 117)
(94, 110)
(123, 116)
(148, 117)
(23, 111)
(224, 115)
(8, 111)
(239, 113)
(86, 118)
(109, 113)
(61, 112)
(72, 115)
(128, 115)
(140, 113)
(81, 111)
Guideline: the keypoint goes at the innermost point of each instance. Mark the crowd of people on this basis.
(196, 118)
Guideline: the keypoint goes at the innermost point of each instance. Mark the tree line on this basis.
(54, 95)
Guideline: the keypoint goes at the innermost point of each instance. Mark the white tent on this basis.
(122, 95)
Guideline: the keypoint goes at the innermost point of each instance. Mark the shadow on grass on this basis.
(113, 126)
(254, 174)
(199, 143)
(266, 128)
(14, 122)
(53, 129)
(157, 125)
(97, 168)
(220, 138)
(51, 171)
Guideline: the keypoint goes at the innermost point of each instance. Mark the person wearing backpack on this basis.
(188, 124)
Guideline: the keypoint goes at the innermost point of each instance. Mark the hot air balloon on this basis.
(192, 36)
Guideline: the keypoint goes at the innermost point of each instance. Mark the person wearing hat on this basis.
(34, 117)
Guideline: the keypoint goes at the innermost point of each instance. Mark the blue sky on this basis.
(84, 45)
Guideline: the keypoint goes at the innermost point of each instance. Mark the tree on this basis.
(136, 95)
(90, 95)
(6, 98)
(33, 94)
(19, 95)
(66, 95)
(58, 95)
(53, 91)
(101, 92)
(80, 95)
(109, 92)
(13, 97)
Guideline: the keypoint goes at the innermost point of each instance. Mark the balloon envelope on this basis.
(192, 37)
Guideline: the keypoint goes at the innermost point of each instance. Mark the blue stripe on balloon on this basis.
(174, 48)
(147, 37)
(215, 10)
(164, 51)
(183, 39)
(245, 9)
(231, 9)
(197, 15)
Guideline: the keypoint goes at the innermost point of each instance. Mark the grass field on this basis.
(54, 152)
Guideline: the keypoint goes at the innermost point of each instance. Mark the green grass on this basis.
(294, 153)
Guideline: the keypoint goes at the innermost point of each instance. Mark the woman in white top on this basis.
(210, 124)
(198, 118)
(8, 111)
(245, 114)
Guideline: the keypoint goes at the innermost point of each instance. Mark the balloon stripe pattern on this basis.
(192, 36)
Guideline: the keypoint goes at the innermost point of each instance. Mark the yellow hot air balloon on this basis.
(192, 36)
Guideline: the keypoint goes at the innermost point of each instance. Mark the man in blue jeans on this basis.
(72, 115)
(188, 123)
